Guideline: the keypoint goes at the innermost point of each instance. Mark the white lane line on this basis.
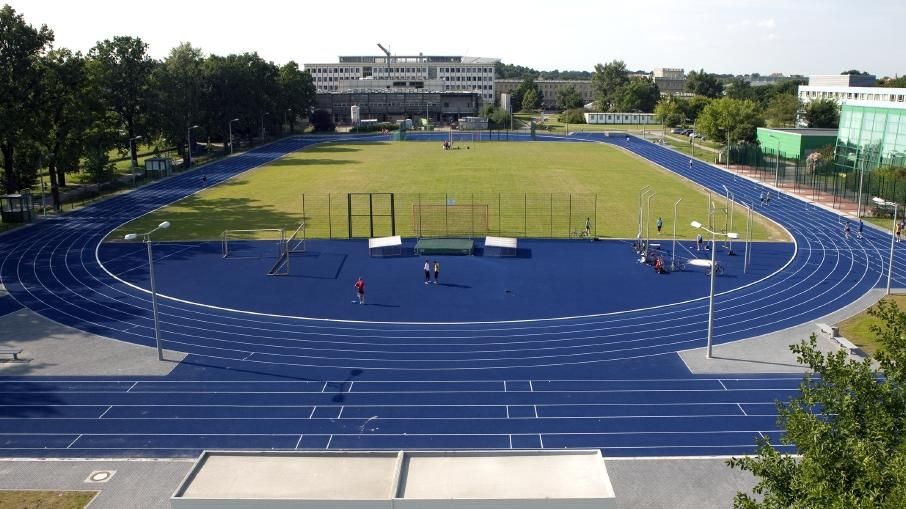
(340, 415)
(530, 386)
(541, 440)
(325, 387)
(328, 442)
(132, 387)
(722, 384)
(298, 442)
(536, 410)
(313, 411)
(504, 386)
(105, 412)
(511, 441)
(73, 442)
(742, 410)
(350, 386)
(508, 411)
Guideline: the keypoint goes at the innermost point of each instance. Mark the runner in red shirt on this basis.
(360, 289)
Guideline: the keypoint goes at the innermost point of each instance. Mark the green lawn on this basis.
(542, 189)
(858, 328)
(29, 499)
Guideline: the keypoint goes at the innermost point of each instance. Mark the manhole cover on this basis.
(100, 476)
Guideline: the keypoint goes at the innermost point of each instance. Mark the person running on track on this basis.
(846, 229)
(360, 289)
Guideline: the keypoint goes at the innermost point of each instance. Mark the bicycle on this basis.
(580, 234)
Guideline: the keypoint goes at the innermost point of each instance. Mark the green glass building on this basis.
(871, 136)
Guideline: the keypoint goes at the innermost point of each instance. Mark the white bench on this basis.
(504, 243)
(11, 351)
(834, 333)
(382, 243)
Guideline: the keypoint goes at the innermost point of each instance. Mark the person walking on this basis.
(761, 197)
(427, 268)
(588, 227)
(698, 242)
(767, 198)
(659, 224)
(846, 229)
(898, 230)
(690, 164)
(859, 231)
(204, 181)
(436, 272)
(360, 289)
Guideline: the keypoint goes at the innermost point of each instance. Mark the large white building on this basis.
(390, 73)
(845, 87)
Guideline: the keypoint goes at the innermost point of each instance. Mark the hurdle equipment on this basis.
(379, 244)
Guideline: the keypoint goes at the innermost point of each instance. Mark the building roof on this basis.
(807, 131)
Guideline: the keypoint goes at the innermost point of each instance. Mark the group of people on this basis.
(428, 272)
(429, 269)
(765, 197)
(846, 230)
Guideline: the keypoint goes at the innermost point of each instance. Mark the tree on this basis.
(179, 81)
(530, 100)
(568, 98)
(846, 425)
(638, 95)
(894, 82)
(740, 118)
(855, 72)
(519, 94)
(782, 110)
(694, 106)
(121, 69)
(297, 92)
(21, 47)
(669, 112)
(70, 105)
(702, 83)
(606, 83)
(740, 88)
(573, 116)
(822, 113)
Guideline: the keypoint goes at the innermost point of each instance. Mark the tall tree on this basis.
(739, 119)
(179, 82)
(740, 88)
(607, 82)
(568, 98)
(21, 47)
(782, 110)
(855, 72)
(519, 94)
(297, 92)
(70, 106)
(702, 83)
(669, 112)
(822, 113)
(638, 95)
(847, 426)
(530, 100)
(121, 69)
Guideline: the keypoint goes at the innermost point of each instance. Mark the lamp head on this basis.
(164, 225)
(196, 126)
(732, 235)
(696, 224)
(130, 236)
(235, 120)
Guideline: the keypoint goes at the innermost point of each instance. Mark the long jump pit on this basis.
(568, 479)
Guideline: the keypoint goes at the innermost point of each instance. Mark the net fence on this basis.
(469, 215)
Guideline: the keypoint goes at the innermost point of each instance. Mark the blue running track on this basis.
(253, 379)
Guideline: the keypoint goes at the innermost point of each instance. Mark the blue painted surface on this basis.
(610, 381)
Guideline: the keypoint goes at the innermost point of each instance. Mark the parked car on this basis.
(677, 130)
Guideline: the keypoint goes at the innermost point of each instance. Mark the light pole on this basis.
(262, 122)
(730, 211)
(231, 133)
(189, 146)
(776, 162)
(673, 249)
(146, 237)
(728, 146)
(648, 221)
(134, 162)
(746, 257)
(638, 237)
(861, 178)
(893, 228)
(732, 235)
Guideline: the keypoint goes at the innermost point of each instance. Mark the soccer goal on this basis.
(258, 243)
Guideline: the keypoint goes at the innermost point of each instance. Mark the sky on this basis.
(731, 36)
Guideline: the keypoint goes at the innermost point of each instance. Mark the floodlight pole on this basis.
(745, 258)
(697, 225)
(642, 192)
(892, 240)
(147, 240)
(861, 178)
(729, 217)
(673, 249)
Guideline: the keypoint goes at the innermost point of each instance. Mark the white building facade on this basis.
(407, 74)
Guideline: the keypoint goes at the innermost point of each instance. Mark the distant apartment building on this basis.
(670, 80)
(549, 90)
(390, 73)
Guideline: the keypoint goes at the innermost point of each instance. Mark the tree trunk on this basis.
(54, 187)
(292, 126)
(11, 184)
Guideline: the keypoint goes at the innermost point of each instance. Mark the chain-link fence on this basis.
(820, 180)
(537, 215)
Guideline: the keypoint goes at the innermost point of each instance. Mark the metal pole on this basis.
(160, 352)
(231, 136)
(673, 249)
(745, 258)
(892, 240)
(861, 178)
(43, 201)
(648, 222)
(638, 237)
(711, 295)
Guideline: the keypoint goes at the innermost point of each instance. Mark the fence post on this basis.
(569, 216)
(551, 212)
(525, 215)
(596, 215)
(329, 219)
(499, 211)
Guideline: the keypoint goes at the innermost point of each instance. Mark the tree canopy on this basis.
(702, 83)
(846, 425)
(822, 113)
(607, 83)
(722, 116)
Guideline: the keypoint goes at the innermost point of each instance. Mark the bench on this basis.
(833, 332)
(504, 243)
(381, 243)
(11, 351)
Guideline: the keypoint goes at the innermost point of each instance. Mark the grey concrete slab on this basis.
(693, 483)
(52, 349)
(139, 484)
(770, 353)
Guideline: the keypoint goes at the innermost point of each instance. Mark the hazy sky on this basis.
(738, 36)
